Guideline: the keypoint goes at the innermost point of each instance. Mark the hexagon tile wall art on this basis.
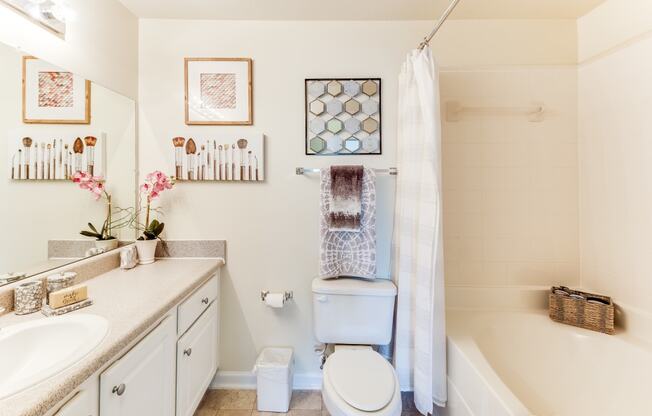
(343, 116)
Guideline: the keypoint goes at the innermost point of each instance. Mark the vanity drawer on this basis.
(197, 303)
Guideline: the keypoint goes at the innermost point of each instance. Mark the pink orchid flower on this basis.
(155, 183)
(91, 183)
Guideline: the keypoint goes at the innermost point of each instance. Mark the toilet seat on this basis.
(360, 382)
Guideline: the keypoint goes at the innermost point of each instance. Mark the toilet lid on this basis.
(362, 378)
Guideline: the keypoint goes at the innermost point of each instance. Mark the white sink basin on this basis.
(33, 351)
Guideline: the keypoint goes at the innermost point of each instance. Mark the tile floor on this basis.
(243, 403)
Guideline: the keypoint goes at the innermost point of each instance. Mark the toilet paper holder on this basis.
(287, 295)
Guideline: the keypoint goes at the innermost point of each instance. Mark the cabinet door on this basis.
(142, 381)
(81, 404)
(197, 361)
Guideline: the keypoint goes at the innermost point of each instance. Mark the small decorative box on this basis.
(28, 297)
(59, 281)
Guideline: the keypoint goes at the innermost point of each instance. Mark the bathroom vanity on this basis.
(160, 352)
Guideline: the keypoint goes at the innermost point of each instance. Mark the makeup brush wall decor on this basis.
(202, 171)
(20, 163)
(54, 159)
(178, 143)
(219, 155)
(35, 159)
(69, 164)
(206, 161)
(61, 172)
(90, 153)
(42, 160)
(48, 150)
(78, 148)
(227, 165)
(27, 142)
(214, 161)
(191, 149)
(242, 145)
(13, 164)
(65, 162)
(232, 162)
(249, 166)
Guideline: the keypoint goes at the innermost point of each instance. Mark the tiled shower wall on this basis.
(511, 185)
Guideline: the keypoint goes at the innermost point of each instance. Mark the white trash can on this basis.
(274, 370)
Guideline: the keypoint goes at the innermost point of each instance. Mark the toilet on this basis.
(354, 314)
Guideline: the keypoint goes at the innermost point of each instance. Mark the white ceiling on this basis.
(358, 9)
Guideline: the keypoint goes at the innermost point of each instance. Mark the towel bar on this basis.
(388, 171)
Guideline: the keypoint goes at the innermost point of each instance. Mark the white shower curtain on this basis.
(420, 343)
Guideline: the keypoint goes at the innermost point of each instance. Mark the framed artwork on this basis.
(219, 91)
(343, 116)
(52, 95)
(225, 159)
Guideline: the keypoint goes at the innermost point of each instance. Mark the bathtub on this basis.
(519, 362)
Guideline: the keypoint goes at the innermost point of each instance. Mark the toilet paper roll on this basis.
(275, 300)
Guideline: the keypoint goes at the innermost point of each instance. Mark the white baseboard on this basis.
(246, 380)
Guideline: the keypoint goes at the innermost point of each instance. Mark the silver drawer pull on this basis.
(204, 301)
(187, 352)
(119, 390)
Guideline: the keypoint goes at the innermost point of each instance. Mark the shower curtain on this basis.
(418, 269)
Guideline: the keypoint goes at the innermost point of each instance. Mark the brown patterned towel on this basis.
(344, 253)
(345, 197)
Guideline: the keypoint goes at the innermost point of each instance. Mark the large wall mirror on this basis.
(55, 125)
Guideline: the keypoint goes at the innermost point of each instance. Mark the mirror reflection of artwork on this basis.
(218, 91)
(54, 96)
(40, 157)
(43, 211)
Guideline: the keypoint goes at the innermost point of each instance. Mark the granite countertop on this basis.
(131, 301)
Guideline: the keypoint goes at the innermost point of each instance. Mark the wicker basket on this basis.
(582, 309)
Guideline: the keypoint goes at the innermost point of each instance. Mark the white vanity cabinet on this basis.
(142, 381)
(168, 371)
(197, 361)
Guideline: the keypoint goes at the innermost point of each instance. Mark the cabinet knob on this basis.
(187, 352)
(205, 301)
(119, 390)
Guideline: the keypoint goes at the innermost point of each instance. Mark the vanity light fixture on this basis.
(49, 14)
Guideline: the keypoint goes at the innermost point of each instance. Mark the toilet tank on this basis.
(353, 311)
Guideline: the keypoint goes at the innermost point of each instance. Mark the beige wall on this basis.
(101, 42)
(613, 24)
(615, 152)
(272, 228)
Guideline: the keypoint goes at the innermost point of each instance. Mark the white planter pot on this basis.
(146, 250)
(106, 245)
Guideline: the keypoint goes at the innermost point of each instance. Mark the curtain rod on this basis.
(440, 22)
